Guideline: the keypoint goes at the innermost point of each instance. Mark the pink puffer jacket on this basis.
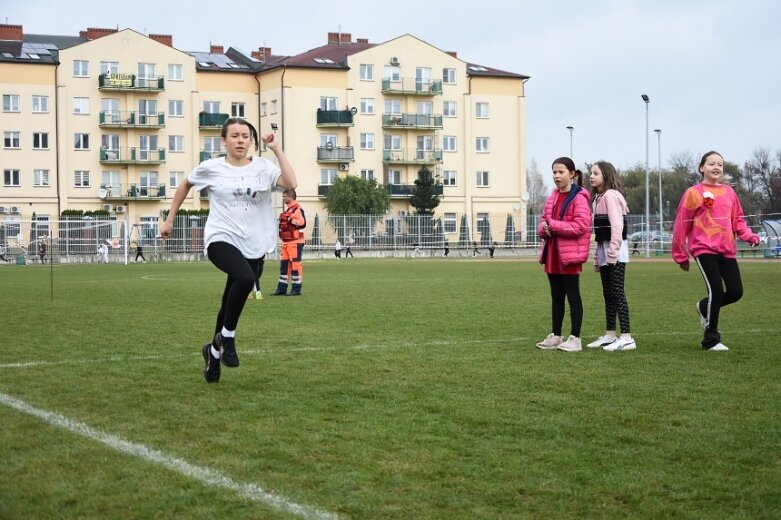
(572, 232)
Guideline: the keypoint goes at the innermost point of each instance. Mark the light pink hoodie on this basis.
(614, 205)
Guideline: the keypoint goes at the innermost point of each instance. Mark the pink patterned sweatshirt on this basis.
(709, 216)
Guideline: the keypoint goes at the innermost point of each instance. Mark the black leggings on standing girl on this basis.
(612, 276)
(561, 286)
(241, 280)
(714, 269)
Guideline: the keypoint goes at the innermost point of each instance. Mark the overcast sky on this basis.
(712, 68)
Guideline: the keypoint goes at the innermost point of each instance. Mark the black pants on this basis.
(241, 279)
(612, 276)
(565, 286)
(139, 254)
(724, 286)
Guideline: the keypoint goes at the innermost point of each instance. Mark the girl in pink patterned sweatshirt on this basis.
(709, 216)
(611, 255)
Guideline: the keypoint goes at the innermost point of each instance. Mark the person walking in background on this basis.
(103, 253)
(291, 222)
(348, 250)
(42, 251)
(565, 228)
(240, 229)
(708, 219)
(491, 249)
(2, 254)
(139, 252)
(447, 248)
(611, 255)
(475, 251)
(338, 249)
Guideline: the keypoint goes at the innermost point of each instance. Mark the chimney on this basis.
(216, 49)
(11, 32)
(165, 39)
(362, 40)
(333, 38)
(346, 38)
(452, 53)
(262, 54)
(93, 33)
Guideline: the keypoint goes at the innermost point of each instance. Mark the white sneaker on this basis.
(602, 341)
(571, 345)
(550, 342)
(621, 344)
(258, 295)
(703, 320)
(718, 347)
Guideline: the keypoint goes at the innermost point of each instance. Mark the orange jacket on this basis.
(291, 222)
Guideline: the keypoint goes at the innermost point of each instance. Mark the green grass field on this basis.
(391, 389)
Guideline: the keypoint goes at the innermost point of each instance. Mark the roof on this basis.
(14, 51)
(330, 56)
(473, 69)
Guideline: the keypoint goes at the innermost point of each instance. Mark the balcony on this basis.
(334, 118)
(405, 190)
(131, 119)
(205, 155)
(124, 82)
(131, 156)
(335, 154)
(411, 156)
(132, 191)
(412, 121)
(412, 86)
(323, 189)
(211, 121)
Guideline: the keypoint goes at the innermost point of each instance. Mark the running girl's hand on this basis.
(270, 141)
(684, 265)
(753, 241)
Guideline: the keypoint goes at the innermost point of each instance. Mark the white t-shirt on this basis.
(241, 212)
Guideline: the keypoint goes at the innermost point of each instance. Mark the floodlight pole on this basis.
(661, 214)
(647, 100)
(571, 129)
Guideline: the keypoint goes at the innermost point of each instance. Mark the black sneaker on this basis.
(279, 293)
(227, 348)
(295, 293)
(211, 368)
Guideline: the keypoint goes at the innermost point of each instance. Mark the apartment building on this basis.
(115, 119)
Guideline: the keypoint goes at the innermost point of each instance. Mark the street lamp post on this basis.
(571, 129)
(647, 100)
(661, 215)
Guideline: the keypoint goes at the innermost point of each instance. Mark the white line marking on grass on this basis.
(204, 475)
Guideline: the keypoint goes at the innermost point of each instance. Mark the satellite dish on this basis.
(353, 110)
(525, 197)
(103, 193)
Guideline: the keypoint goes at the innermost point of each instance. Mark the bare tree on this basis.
(763, 175)
(535, 185)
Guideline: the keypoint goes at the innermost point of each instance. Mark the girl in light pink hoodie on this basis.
(709, 216)
(611, 255)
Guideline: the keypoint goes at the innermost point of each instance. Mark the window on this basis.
(449, 143)
(40, 177)
(40, 141)
(482, 179)
(211, 107)
(81, 178)
(327, 177)
(81, 141)
(449, 178)
(328, 103)
(367, 105)
(40, 104)
(263, 110)
(273, 106)
(109, 67)
(366, 72)
(175, 143)
(392, 142)
(449, 222)
(367, 141)
(147, 144)
(11, 178)
(449, 76)
(175, 178)
(237, 110)
(146, 72)
(481, 111)
(10, 103)
(394, 177)
(175, 108)
(80, 68)
(393, 106)
(80, 105)
(482, 223)
(481, 144)
(41, 226)
(424, 107)
(174, 72)
(392, 73)
(109, 146)
(109, 179)
(449, 108)
(148, 184)
(211, 146)
(147, 111)
(110, 109)
(11, 140)
(367, 175)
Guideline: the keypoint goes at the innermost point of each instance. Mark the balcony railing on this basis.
(132, 156)
(405, 190)
(128, 82)
(323, 189)
(205, 155)
(132, 191)
(130, 119)
(211, 121)
(412, 86)
(412, 156)
(327, 154)
(412, 121)
(334, 118)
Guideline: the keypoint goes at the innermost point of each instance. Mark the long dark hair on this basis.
(610, 176)
(241, 121)
(569, 164)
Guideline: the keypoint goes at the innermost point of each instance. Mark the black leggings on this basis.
(561, 286)
(612, 276)
(714, 269)
(241, 279)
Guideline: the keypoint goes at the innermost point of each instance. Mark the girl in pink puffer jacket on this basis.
(565, 228)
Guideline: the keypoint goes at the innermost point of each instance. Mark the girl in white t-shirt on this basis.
(241, 227)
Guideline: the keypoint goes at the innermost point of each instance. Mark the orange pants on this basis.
(290, 268)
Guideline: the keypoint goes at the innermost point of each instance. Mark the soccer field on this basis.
(391, 389)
